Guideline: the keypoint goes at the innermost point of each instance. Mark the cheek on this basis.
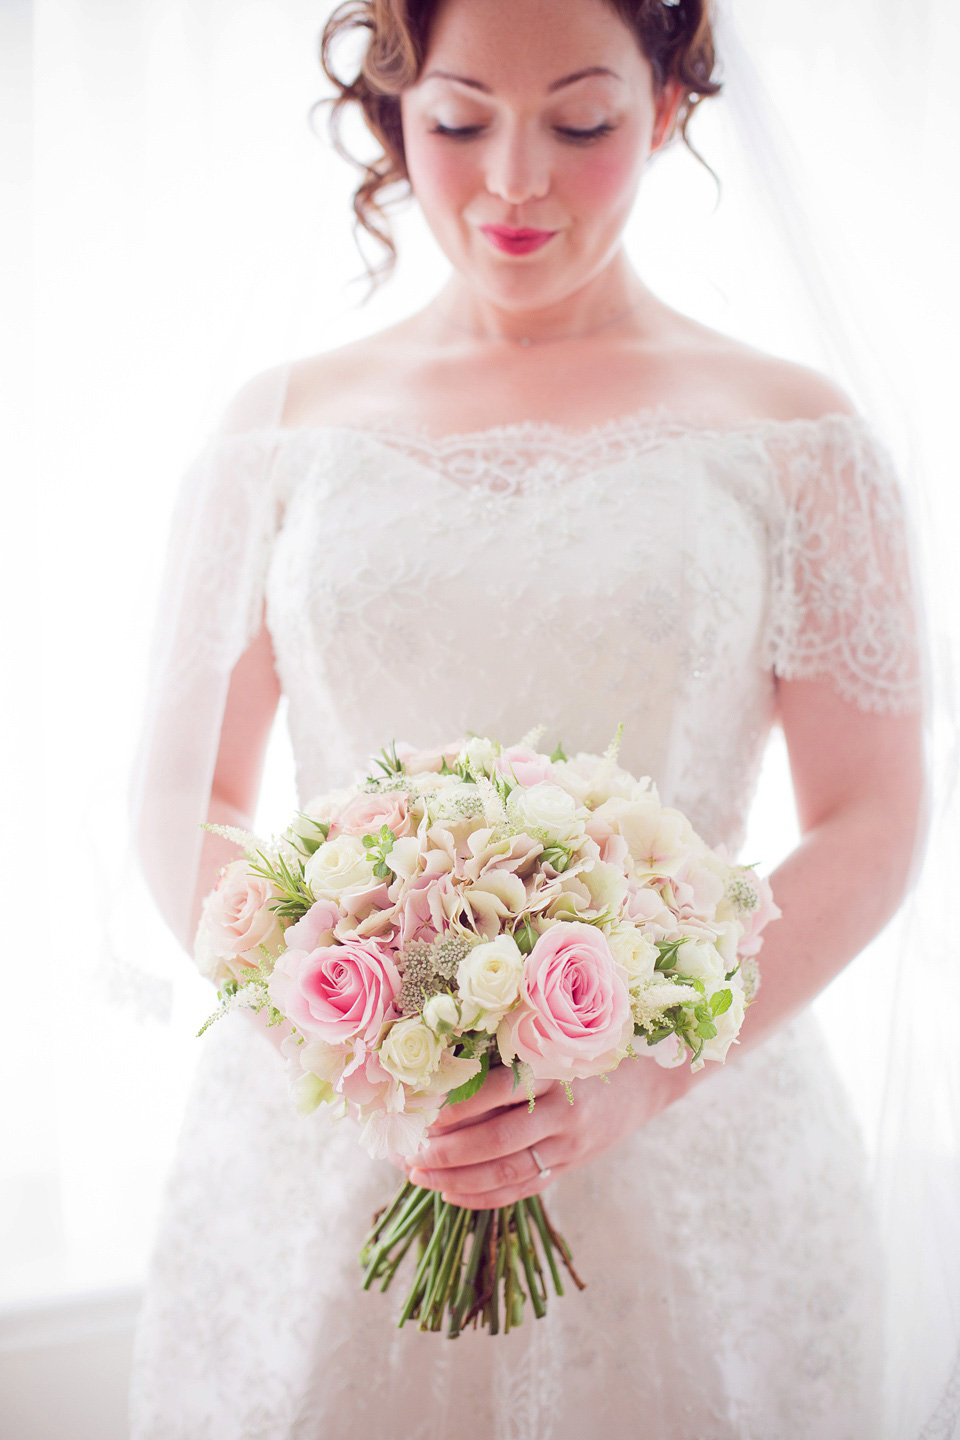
(440, 175)
(608, 179)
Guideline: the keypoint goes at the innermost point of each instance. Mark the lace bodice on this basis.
(648, 570)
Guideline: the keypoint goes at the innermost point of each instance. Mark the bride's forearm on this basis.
(836, 890)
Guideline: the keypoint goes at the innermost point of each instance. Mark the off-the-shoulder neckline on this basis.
(648, 420)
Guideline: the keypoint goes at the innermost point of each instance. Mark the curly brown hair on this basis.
(676, 36)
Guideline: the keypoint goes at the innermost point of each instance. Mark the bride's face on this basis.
(536, 148)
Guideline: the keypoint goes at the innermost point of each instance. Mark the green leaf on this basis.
(730, 973)
(558, 754)
(471, 1086)
(720, 1001)
(706, 1029)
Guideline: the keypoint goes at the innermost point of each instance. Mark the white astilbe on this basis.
(249, 843)
(650, 1004)
(533, 737)
(494, 810)
(608, 762)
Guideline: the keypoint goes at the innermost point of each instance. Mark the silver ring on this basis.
(544, 1170)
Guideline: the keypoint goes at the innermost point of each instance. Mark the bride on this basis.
(547, 497)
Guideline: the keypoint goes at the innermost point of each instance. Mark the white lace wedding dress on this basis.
(654, 570)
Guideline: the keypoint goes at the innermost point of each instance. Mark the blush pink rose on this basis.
(235, 915)
(574, 1017)
(525, 765)
(337, 992)
(315, 927)
(365, 813)
(418, 762)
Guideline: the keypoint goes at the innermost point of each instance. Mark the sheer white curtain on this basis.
(189, 230)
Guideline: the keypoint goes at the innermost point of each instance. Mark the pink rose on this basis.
(337, 992)
(574, 1015)
(417, 762)
(235, 914)
(316, 926)
(524, 765)
(365, 813)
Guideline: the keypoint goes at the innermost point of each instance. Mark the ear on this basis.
(668, 104)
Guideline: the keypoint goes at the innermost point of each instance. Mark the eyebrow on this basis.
(554, 84)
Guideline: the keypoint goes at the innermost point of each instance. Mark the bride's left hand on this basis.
(479, 1157)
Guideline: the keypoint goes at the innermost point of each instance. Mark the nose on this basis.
(517, 166)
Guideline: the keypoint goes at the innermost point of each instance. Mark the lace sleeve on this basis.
(845, 601)
(209, 609)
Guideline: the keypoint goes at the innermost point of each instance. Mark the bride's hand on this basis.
(479, 1156)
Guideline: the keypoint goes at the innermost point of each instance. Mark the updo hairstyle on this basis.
(676, 36)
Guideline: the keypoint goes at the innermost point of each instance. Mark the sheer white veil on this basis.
(900, 1055)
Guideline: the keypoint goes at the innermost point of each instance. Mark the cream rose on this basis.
(701, 960)
(480, 754)
(544, 808)
(636, 952)
(338, 865)
(411, 1051)
(488, 980)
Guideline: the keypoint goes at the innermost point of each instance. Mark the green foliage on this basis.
(720, 1001)
(556, 855)
(294, 894)
(668, 953)
(525, 935)
(390, 765)
(471, 1086)
(558, 754)
(380, 846)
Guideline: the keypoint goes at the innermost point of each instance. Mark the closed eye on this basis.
(467, 132)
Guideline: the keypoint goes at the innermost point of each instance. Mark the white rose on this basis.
(480, 754)
(728, 1026)
(442, 1014)
(338, 865)
(636, 952)
(488, 980)
(544, 808)
(411, 1052)
(701, 960)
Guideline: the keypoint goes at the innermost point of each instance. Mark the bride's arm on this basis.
(860, 783)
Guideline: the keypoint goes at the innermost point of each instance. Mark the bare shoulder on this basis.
(760, 385)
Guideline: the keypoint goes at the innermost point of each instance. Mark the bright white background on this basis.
(176, 227)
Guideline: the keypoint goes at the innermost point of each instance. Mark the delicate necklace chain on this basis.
(528, 340)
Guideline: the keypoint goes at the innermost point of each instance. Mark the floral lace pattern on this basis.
(653, 571)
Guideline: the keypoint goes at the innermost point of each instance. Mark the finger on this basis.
(498, 1089)
(502, 1182)
(501, 1134)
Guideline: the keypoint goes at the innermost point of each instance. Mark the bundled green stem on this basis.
(476, 1267)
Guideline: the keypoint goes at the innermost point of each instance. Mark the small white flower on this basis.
(442, 1014)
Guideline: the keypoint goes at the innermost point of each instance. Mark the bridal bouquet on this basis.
(475, 906)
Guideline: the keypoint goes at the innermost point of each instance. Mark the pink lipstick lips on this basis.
(516, 242)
